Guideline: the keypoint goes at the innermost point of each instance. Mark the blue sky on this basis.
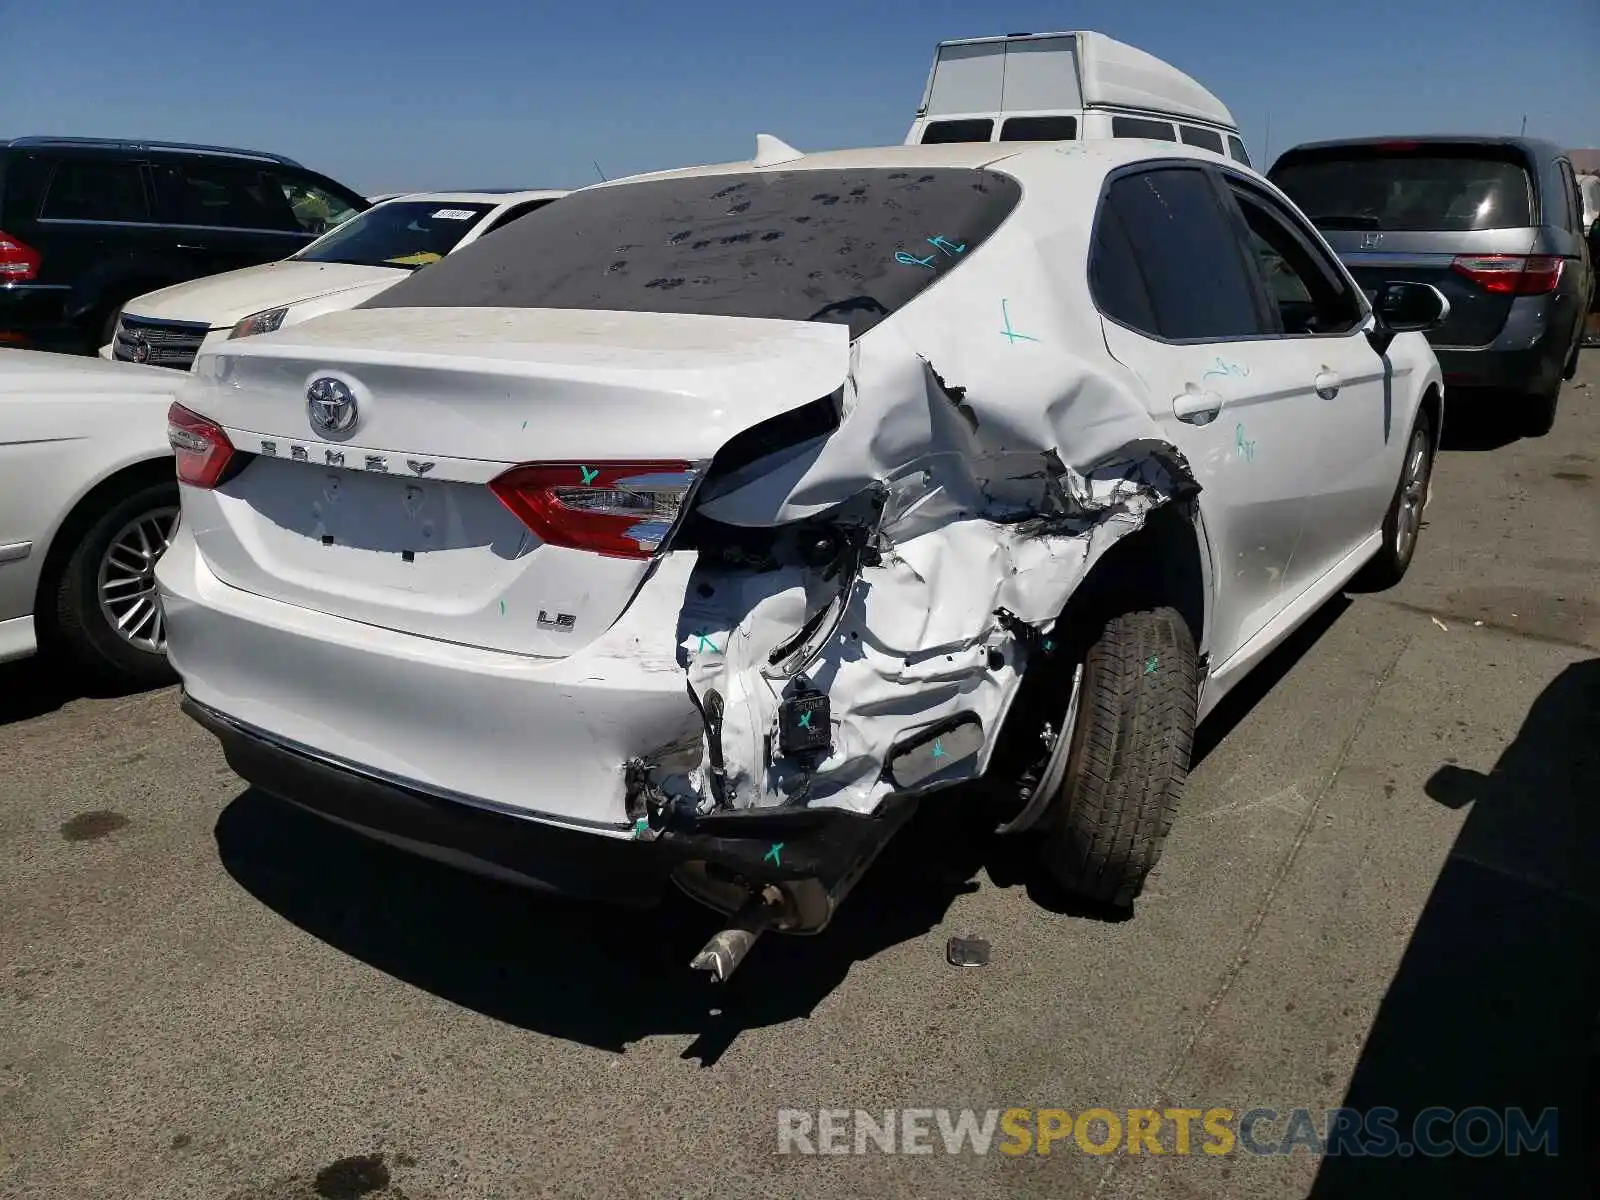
(423, 93)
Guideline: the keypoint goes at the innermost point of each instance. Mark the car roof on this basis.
(1105, 153)
(1539, 149)
(479, 197)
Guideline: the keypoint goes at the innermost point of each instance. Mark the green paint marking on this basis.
(1150, 665)
(588, 475)
(805, 720)
(938, 748)
(641, 827)
(775, 854)
(1049, 646)
(502, 608)
(524, 424)
(705, 643)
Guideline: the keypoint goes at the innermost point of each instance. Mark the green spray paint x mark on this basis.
(588, 475)
(805, 720)
(1150, 665)
(775, 854)
(938, 748)
(705, 643)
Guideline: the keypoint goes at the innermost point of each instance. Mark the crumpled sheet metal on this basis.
(1002, 497)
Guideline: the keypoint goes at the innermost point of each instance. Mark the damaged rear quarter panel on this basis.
(997, 452)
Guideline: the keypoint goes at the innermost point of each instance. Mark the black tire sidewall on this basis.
(79, 627)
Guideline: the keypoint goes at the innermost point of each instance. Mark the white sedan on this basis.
(696, 530)
(355, 260)
(88, 502)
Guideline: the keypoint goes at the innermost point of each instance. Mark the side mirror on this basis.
(1406, 308)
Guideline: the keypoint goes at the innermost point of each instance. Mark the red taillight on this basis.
(621, 509)
(19, 262)
(202, 448)
(1511, 274)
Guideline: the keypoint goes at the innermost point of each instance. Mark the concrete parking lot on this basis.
(1382, 890)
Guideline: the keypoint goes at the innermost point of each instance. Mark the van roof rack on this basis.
(23, 143)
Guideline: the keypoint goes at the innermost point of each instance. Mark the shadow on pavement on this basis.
(40, 685)
(1482, 420)
(584, 973)
(1496, 1000)
(1253, 688)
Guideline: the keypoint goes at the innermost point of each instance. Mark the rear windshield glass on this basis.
(1422, 188)
(402, 233)
(849, 247)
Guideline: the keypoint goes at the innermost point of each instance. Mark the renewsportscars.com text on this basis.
(1374, 1132)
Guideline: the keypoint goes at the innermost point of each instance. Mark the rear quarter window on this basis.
(1409, 187)
(847, 246)
(1142, 127)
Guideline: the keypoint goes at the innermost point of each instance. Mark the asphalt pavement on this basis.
(1382, 890)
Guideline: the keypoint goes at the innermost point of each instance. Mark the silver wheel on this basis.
(1413, 496)
(127, 581)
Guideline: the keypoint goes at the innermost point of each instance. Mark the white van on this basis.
(1051, 87)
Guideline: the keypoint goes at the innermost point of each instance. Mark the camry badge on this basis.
(421, 468)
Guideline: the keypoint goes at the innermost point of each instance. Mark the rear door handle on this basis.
(1327, 383)
(1195, 406)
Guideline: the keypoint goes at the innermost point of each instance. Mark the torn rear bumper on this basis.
(814, 855)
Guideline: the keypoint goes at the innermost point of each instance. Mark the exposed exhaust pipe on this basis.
(725, 951)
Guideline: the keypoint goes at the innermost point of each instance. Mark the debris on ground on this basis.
(967, 952)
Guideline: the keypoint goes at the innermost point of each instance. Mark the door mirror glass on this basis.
(1411, 307)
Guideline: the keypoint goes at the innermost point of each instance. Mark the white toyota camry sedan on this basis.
(694, 531)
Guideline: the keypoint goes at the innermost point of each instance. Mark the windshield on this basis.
(850, 246)
(1408, 188)
(401, 233)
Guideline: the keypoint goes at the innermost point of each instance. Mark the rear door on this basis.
(1423, 211)
(223, 214)
(1181, 309)
(94, 219)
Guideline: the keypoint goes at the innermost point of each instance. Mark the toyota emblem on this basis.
(331, 405)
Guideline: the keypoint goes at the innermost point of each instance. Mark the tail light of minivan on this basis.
(19, 262)
(201, 447)
(619, 509)
(1511, 274)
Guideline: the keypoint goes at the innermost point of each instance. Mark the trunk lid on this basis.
(391, 522)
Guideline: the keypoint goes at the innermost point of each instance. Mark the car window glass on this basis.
(512, 214)
(1408, 187)
(1206, 139)
(1557, 199)
(1569, 187)
(316, 209)
(1189, 254)
(1115, 280)
(398, 233)
(221, 196)
(1039, 129)
(939, 133)
(85, 190)
(1141, 127)
(1236, 151)
(1308, 292)
(848, 246)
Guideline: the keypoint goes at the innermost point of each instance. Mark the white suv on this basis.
(698, 529)
(350, 263)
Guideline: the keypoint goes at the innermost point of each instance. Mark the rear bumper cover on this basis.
(829, 846)
(1528, 354)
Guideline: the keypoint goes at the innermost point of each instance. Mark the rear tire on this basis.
(1107, 824)
(109, 577)
(1402, 524)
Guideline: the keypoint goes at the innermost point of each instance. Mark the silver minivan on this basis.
(1495, 223)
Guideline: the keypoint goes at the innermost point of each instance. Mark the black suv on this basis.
(87, 224)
